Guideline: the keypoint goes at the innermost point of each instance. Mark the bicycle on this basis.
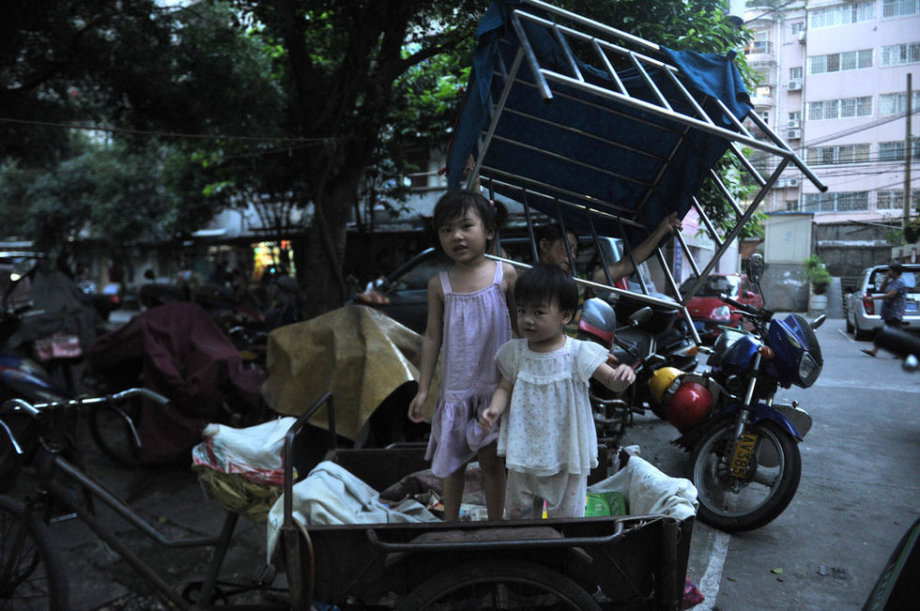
(31, 571)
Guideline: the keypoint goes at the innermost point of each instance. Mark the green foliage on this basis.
(817, 274)
(114, 195)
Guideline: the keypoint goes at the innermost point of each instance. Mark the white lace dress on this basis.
(548, 427)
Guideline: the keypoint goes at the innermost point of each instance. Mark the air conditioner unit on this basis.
(801, 37)
(792, 182)
(794, 85)
(793, 124)
(793, 134)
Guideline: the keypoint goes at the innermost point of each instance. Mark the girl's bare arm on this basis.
(498, 404)
(431, 347)
(615, 378)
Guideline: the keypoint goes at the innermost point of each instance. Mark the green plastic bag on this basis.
(605, 504)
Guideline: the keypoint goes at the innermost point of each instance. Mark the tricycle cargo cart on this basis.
(627, 562)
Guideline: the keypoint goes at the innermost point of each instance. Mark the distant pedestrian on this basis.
(894, 301)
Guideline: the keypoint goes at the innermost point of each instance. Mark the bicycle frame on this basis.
(51, 465)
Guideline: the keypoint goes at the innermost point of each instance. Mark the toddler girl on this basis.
(548, 436)
(468, 314)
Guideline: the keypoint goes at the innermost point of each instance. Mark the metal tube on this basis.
(606, 109)
(668, 276)
(731, 117)
(689, 96)
(597, 285)
(565, 239)
(747, 164)
(124, 511)
(709, 226)
(533, 239)
(559, 157)
(662, 169)
(790, 153)
(549, 8)
(542, 85)
(583, 133)
(648, 81)
(213, 573)
(593, 200)
(731, 235)
(683, 245)
(600, 251)
(628, 248)
(567, 51)
(731, 198)
(496, 115)
(609, 66)
(667, 114)
(64, 496)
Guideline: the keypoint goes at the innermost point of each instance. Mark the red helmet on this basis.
(689, 405)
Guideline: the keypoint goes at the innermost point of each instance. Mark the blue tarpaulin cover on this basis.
(609, 173)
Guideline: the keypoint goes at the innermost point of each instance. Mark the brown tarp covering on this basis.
(182, 354)
(357, 353)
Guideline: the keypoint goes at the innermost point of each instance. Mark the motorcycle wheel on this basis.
(732, 504)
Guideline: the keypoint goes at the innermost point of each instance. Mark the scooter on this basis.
(652, 339)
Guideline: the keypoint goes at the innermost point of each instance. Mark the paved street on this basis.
(859, 492)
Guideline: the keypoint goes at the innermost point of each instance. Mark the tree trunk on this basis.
(325, 284)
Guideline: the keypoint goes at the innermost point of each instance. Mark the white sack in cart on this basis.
(650, 491)
(330, 494)
(253, 452)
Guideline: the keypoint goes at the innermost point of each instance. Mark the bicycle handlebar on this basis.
(34, 409)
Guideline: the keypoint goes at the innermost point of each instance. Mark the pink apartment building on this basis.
(833, 85)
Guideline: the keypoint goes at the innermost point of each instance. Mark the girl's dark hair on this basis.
(544, 283)
(454, 204)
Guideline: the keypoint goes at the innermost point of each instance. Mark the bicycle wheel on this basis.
(31, 574)
(113, 434)
(493, 585)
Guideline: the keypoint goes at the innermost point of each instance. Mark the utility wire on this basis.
(139, 132)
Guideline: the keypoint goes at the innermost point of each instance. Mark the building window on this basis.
(763, 91)
(844, 153)
(797, 26)
(836, 202)
(795, 73)
(898, 55)
(895, 103)
(894, 151)
(840, 109)
(894, 200)
(765, 115)
(792, 204)
(837, 62)
(900, 8)
(842, 14)
(795, 117)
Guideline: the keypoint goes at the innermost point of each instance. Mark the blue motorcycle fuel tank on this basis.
(739, 356)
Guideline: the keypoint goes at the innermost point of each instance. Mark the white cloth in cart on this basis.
(650, 491)
(330, 494)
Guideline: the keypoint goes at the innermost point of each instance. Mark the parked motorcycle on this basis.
(652, 339)
(745, 459)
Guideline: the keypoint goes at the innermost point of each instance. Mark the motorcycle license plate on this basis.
(744, 452)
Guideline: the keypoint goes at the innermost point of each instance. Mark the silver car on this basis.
(865, 304)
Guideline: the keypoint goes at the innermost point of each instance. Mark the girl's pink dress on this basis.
(475, 326)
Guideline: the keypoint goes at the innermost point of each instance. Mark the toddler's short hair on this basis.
(544, 283)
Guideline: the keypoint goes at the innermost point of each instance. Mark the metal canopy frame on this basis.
(605, 41)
